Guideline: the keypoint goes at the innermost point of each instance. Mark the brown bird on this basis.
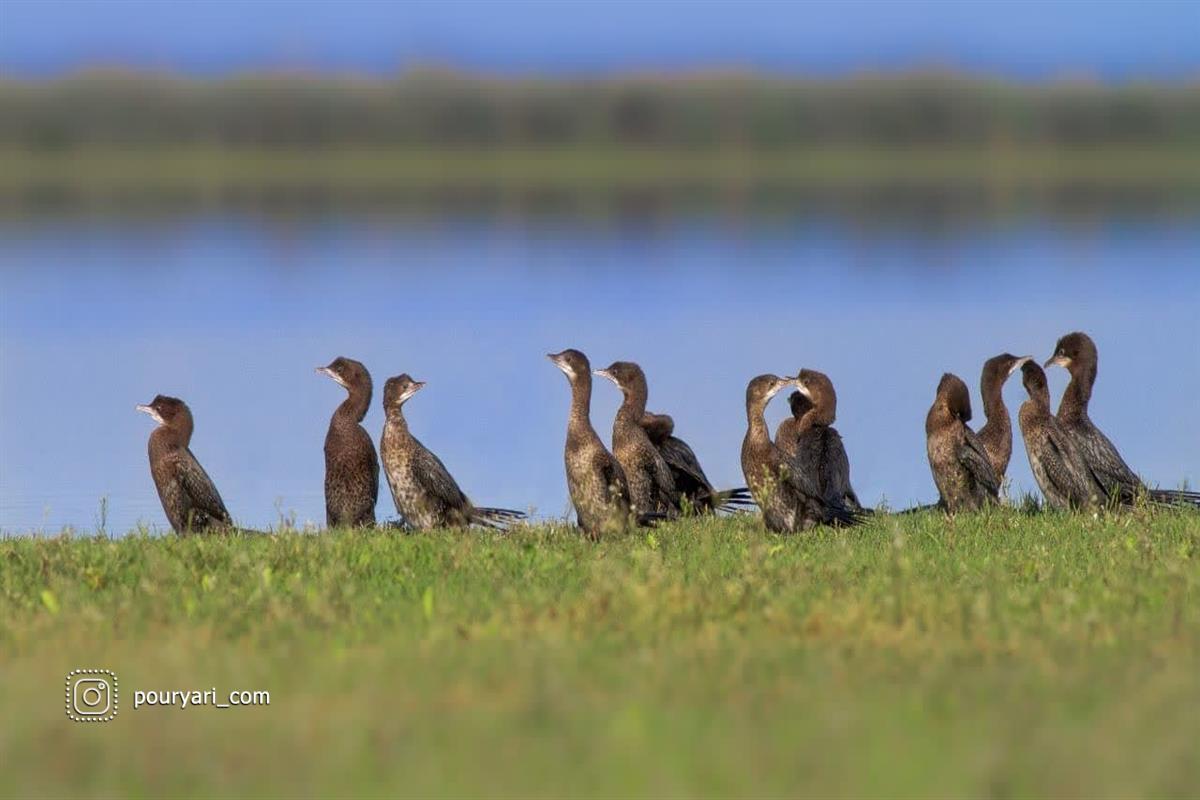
(351, 466)
(651, 484)
(424, 491)
(996, 434)
(1056, 462)
(812, 443)
(595, 480)
(790, 501)
(189, 497)
(1076, 352)
(960, 466)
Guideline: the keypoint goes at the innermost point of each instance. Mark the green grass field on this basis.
(213, 170)
(1003, 654)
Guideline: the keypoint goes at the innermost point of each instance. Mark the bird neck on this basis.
(993, 403)
(396, 420)
(355, 406)
(581, 401)
(1079, 391)
(633, 407)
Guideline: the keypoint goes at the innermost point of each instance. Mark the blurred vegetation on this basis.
(426, 108)
(999, 654)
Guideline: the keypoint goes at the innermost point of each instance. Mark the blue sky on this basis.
(1018, 38)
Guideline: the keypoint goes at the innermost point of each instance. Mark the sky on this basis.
(1023, 39)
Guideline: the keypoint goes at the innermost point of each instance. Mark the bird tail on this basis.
(737, 499)
(497, 518)
(1176, 497)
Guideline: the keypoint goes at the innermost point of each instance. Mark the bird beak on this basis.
(413, 388)
(1020, 362)
(603, 373)
(332, 374)
(800, 387)
(150, 410)
(1058, 361)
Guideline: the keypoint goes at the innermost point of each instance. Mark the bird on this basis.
(189, 497)
(695, 489)
(964, 476)
(351, 466)
(996, 434)
(1077, 353)
(790, 501)
(597, 485)
(810, 441)
(1055, 460)
(651, 483)
(425, 493)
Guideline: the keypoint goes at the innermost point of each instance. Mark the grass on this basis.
(214, 170)
(999, 654)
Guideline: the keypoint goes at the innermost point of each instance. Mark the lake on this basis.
(232, 308)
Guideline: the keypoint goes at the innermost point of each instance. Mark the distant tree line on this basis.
(444, 109)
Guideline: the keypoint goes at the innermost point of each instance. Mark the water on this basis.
(232, 311)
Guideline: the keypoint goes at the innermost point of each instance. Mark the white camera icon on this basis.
(91, 695)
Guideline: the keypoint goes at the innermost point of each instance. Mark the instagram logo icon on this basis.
(91, 695)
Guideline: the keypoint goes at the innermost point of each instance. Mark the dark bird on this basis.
(810, 441)
(188, 495)
(1057, 464)
(693, 485)
(961, 469)
(996, 434)
(425, 493)
(790, 501)
(351, 467)
(595, 480)
(1076, 352)
(651, 484)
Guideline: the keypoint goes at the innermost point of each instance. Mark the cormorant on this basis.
(651, 485)
(1055, 460)
(790, 501)
(812, 443)
(996, 434)
(1076, 352)
(425, 493)
(188, 495)
(691, 482)
(961, 469)
(599, 491)
(351, 467)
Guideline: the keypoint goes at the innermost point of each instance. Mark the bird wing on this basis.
(685, 467)
(974, 459)
(1069, 479)
(200, 489)
(616, 487)
(805, 466)
(1104, 462)
(438, 484)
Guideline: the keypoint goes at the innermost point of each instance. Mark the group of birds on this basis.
(800, 478)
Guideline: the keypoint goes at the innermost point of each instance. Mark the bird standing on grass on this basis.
(595, 480)
(189, 497)
(964, 476)
(1076, 352)
(651, 484)
(351, 466)
(810, 441)
(996, 434)
(425, 493)
(1055, 460)
(790, 501)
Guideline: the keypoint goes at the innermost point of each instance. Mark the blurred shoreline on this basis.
(862, 183)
